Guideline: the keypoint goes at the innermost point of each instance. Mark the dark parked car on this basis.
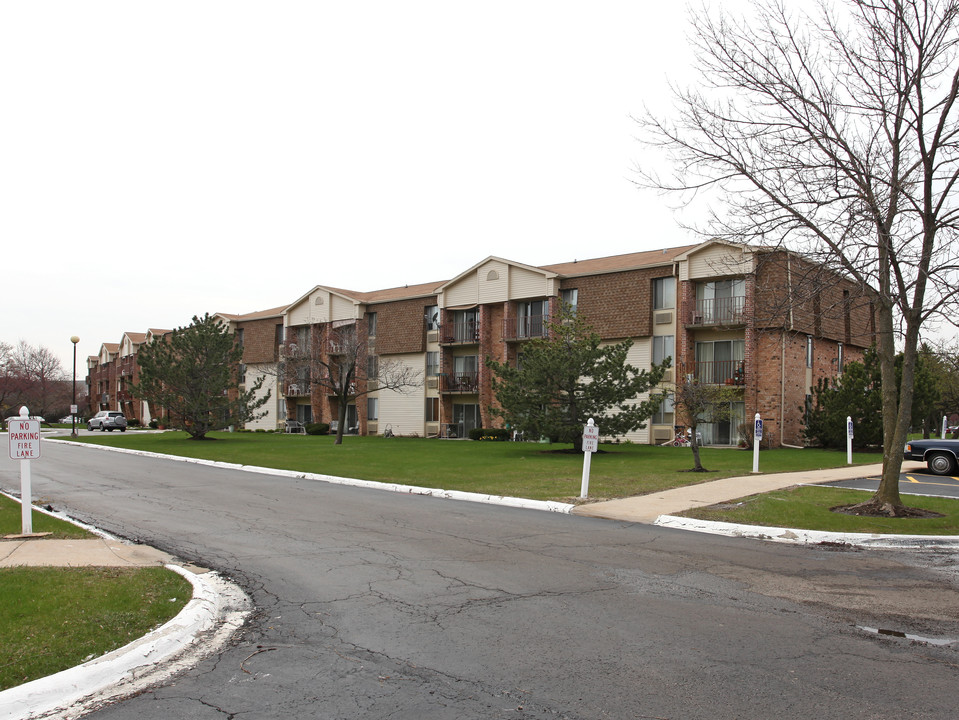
(940, 456)
(108, 421)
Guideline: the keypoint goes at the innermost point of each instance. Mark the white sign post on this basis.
(945, 424)
(849, 436)
(757, 437)
(590, 445)
(24, 437)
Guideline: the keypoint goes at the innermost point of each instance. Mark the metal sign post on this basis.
(757, 437)
(24, 438)
(590, 445)
(849, 436)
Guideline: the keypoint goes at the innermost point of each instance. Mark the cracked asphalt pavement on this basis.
(380, 605)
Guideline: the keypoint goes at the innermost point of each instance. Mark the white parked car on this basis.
(108, 421)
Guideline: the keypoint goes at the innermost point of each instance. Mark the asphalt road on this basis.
(377, 605)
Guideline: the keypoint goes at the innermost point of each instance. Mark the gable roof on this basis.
(618, 263)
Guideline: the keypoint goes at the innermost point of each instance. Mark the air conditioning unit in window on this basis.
(663, 318)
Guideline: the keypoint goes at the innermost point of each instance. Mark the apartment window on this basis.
(432, 412)
(277, 340)
(432, 363)
(241, 374)
(239, 337)
(531, 318)
(372, 409)
(664, 293)
(840, 359)
(432, 316)
(663, 347)
(665, 413)
(371, 319)
(372, 366)
(570, 299)
(809, 349)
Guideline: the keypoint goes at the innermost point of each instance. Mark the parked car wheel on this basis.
(89, 427)
(941, 463)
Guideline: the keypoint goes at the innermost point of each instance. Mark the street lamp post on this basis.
(74, 408)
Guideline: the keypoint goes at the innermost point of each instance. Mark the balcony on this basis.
(300, 388)
(719, 372)
(525, 328)
(725, 311)
(459, 333)
(466, 383)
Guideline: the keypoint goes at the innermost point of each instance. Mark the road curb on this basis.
(218, 608)
(809, 537)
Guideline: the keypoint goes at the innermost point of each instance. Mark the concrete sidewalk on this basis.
(647, 508)
(99, 552)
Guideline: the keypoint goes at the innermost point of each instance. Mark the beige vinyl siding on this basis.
(404, 411)
(718, 261)
(463, 292)
(492, 282)
(528, 284)
(640, 357)
(341, 308)
(270, 420)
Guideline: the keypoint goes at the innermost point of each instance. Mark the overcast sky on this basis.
(160, 160)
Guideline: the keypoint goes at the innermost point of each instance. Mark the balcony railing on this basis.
(524, 328)
(300, 388)
(719, 311)
(460, 382)
(720, 372)
(459, 332)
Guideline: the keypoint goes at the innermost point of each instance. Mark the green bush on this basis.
(317, 428)
(500, 434)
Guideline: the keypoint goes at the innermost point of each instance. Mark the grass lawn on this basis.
(11, 523)
(529, 470)
(808, 508)
(52, 619)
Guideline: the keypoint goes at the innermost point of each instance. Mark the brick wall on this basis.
(617, 305)
(259, 339)
(401, 327)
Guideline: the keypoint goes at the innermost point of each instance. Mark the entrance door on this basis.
(467, 416)
(352, 423)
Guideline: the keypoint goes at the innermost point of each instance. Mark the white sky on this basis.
(160, 160)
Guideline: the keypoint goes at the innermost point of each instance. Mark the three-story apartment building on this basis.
(724, 313)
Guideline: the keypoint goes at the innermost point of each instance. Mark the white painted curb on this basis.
(217, 609)
(809, 537)
(547, 505)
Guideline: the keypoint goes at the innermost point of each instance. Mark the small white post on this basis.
(590, 445)
(757, 437)
(945, 424)
(849, 436)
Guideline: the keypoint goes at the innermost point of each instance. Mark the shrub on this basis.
(489, 434)
(317, 428)
(154, 424)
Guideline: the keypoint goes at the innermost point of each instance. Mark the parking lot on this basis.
(911, 482)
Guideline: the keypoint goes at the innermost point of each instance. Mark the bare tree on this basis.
(32, 376)
(701, 403)
(835, 134)
(339, 363)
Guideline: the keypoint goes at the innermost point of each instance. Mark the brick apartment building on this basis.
(767, 323)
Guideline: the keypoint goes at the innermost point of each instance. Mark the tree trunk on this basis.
(341, 422)
(893, 436)
(694, 446)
